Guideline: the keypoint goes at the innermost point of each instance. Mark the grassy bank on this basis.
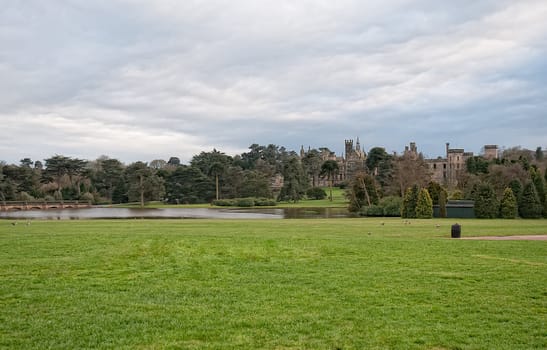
(280, 284)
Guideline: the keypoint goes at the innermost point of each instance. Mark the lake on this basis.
(176, 213)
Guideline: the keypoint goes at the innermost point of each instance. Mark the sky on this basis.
(144, 80)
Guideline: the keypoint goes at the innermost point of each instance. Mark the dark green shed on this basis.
(457, 209)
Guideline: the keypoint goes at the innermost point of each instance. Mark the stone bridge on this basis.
(6, 206)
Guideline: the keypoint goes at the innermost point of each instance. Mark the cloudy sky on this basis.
(144, 80)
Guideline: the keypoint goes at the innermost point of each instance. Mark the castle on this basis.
(445, 171)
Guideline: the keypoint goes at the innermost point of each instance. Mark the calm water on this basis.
(176, 213)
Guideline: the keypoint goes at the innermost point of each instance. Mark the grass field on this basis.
(279, 284)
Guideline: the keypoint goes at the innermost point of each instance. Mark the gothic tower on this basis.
(349, 148)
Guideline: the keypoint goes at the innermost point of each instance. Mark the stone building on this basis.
(353, 161)
(446, 171)
(349, 164)
(491, 152)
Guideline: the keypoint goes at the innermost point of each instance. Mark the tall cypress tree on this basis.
(508, 207)
(530, 205)
(424, 205)
(409, 202)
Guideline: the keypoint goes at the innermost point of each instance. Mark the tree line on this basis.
(509, 186)
(384, 184)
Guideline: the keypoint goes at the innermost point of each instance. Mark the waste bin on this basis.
(456, 231)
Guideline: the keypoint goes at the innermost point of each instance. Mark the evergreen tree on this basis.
(424, 205)
(442, 204)
(486, 203)
(539, 184)
(410, 201)
(508, 206)
(516, 186)
(434, 190)
(530, 205)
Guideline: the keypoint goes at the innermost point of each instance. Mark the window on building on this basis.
(434, 166)
(444, 166)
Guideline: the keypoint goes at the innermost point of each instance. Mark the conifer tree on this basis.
(516, 186)
(530, 205)
(508, 207)
(409, 202)
(539, 184)
(424, 205)
(486, 203)
(442, 204)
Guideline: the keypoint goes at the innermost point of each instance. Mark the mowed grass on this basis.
(271, 284)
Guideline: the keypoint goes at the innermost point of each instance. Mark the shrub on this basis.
(373, 210)
(265, 202)
(316, 193)
(87, 197)
(224, 202)
(391, 205)
(245, 202)
(23, 196)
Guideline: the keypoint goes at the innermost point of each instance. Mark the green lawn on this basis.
(271, 284)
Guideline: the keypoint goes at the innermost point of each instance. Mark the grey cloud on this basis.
(189, 76)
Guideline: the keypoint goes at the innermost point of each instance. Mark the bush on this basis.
(391, 205)
(224, 202)
(87, 197)
(374, 210)
(25, 197)
(316, 193)
(245, 202)
(265, 202)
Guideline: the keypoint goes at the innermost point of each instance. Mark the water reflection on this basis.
(176, 213)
